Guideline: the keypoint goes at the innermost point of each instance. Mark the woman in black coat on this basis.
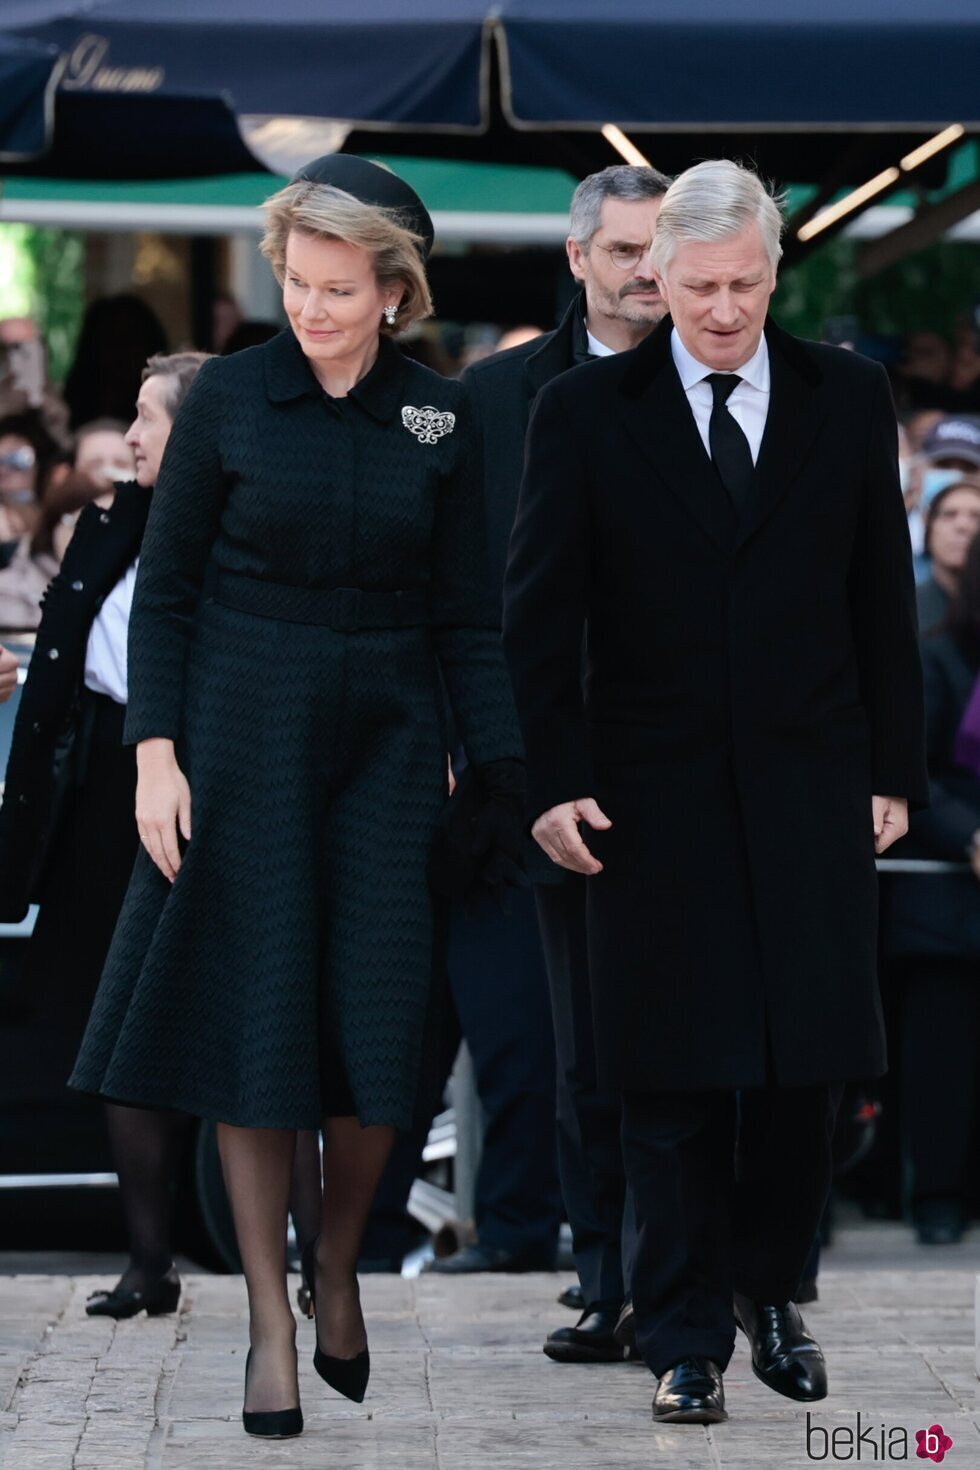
(934, 934)
(67, 835)
(313, 562)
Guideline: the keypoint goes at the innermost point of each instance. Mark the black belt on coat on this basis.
(344, 609)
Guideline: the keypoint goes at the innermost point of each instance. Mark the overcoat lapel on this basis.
(796, 413)
(659, 420)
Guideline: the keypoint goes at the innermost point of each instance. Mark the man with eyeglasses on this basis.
(613, 217)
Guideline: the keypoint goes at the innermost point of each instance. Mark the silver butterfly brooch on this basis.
(428, 424)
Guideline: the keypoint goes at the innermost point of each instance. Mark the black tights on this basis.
(147, 1145)
(258, 1164)
(146, 1148)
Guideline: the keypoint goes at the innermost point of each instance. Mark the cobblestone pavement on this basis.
(459, 1381)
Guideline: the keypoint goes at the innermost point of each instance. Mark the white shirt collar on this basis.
(597, 348)
(755, 372)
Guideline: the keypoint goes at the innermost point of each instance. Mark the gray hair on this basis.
(178, 371)
(712, 201)
(619, 181)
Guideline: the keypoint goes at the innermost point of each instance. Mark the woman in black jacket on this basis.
(933, 932)
(316, 539)
(67, 834)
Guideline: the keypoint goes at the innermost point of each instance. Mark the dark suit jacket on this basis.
(751, 682)
(502, 389)
(104, 544)
(940, 913)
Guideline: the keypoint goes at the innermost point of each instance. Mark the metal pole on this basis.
(469, 1133)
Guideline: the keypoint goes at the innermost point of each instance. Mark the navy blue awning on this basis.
(28, 72)
(743, 64)
(569, 63)
(371, 61)
(806, 88)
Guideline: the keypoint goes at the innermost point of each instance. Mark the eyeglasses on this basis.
(624, 257)
(18, 459)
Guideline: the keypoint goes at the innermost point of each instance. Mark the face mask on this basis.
(112, 471)
(934, 481)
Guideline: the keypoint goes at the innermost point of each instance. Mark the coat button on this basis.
(36, 727)
(104, 517)
(52, 653)
(77, 586)
(22, 799)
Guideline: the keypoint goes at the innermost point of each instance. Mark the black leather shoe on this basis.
(784, 1355)
(476, 1257)
(625, 1329)
(939, 1221)
(591, 1340)
(573, 1297)
(690, 1392)
(156, 1299)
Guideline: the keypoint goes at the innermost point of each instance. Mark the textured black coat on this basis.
(286, 973)
(750, 684)
(104, 544)
(939, 913)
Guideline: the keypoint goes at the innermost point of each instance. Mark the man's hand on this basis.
(890, 815)
(8, 674)
(556, 832)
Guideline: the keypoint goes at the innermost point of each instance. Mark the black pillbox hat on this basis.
(371, 184)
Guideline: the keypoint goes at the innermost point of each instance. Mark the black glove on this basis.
(497, 832)
(479, 842)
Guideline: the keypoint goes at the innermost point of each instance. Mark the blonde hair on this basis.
(327, 213)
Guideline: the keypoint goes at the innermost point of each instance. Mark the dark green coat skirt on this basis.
(287, 972)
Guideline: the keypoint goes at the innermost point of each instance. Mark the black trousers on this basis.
(729, 1191)
(499, 987)
(940, 1004)
(88, 865)
(590, 1155)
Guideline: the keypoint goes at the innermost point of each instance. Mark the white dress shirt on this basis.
(597, 348)
(106, 667)
(749, 402)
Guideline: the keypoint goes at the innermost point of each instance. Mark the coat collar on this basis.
(659, 419)
(560, 350)
(289, 376)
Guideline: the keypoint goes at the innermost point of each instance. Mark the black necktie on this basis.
(730, 452)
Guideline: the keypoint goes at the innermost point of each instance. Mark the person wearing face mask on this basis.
(104, 454)
(951, 520)
(28, 456)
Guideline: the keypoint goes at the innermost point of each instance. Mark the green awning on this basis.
(468, 200)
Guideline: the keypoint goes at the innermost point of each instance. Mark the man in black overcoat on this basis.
(721, 510)
(612, 220)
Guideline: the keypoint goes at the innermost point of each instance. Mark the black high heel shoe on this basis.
(348, 1376)
(271, 1423)
(156, 1299)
